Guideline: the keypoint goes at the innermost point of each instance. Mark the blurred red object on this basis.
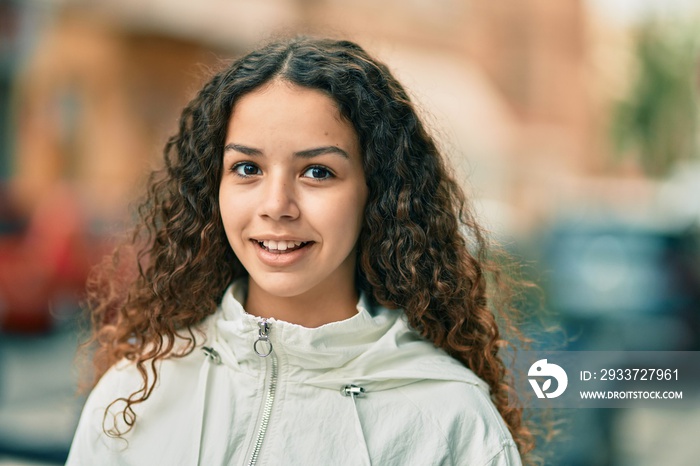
(44, 263)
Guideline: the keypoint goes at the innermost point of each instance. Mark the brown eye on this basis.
(245, 169)
(318, 173)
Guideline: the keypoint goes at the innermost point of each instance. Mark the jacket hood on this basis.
(374, 349)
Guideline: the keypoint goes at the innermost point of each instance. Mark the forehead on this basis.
(284, 107)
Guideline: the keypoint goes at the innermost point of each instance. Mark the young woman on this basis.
(312, 289)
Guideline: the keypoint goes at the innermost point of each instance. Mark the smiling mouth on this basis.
(281, 247)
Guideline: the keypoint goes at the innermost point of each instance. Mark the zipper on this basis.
(263, 348)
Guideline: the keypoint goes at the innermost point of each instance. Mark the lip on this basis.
(278, 238)
(281, 259)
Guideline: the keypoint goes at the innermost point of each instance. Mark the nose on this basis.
(279, 198)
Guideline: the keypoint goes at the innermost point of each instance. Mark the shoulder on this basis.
(126, 377)
(462, 413)
(104, 412)
(422, 385)
(432, 389)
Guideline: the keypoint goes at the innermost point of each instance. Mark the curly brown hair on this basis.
(420, 248)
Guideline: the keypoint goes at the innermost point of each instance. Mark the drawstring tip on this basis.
(354, 391)
(212, 354)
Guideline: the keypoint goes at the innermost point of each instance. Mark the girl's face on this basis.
(293, 190)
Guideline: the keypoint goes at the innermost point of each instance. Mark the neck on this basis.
(311, 309)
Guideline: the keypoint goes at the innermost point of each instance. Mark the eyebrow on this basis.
(242, 149)
(306, 154)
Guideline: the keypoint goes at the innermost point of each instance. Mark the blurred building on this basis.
(506, 85)
(518, 93)
(94, 102)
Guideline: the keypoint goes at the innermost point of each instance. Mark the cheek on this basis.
(359, 204)
(224, 209)
(231, 217)
(348, 218)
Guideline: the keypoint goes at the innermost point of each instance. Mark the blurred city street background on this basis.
(573, 124)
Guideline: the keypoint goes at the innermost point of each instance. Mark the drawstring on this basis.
(354, 391)
(213, 358)
(212, 354)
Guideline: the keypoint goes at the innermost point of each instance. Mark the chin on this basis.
(283, 287)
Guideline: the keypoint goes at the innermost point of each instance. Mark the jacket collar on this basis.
(375, 347)
(329, 346)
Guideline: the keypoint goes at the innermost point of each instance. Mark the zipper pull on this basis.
(264, 338)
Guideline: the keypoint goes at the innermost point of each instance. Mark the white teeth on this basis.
(280, 245)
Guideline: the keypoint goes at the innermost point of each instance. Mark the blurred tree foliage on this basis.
(658, 120)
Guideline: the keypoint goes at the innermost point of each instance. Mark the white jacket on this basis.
(301, 405)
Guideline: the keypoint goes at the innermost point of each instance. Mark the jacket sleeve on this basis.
(507, 456)
(478, 435)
